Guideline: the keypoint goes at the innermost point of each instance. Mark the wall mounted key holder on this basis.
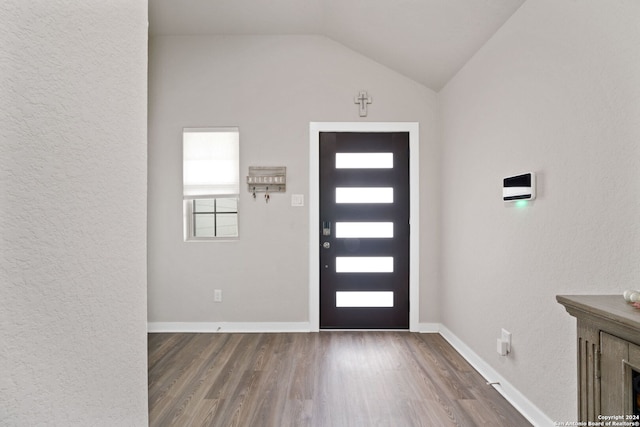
(267, 180)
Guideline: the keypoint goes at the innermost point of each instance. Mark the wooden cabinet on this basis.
(608, 332)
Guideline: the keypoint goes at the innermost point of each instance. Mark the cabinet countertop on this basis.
(612, 309)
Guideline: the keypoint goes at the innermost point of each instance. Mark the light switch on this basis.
(297, 200)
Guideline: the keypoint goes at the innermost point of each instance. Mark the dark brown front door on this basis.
(364, 230)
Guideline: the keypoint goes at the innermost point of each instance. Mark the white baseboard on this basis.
(530, 411)
(226, 327)
(429, 328)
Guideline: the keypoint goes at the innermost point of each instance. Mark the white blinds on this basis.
(211, 165)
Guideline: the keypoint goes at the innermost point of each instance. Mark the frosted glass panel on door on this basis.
(364, 195)
(363, 230)
(364, 299)
(364, 160)
(352, 264)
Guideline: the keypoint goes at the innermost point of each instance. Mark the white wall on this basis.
(271, 88)
(556, 91)
(73, 213)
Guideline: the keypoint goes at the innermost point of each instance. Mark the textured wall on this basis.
(73, 213)
(271, 87)
(556, 91)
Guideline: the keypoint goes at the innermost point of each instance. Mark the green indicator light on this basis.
(521, 203)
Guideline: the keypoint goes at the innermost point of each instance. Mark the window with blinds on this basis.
(211, 183)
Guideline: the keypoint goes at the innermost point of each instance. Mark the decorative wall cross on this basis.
(363, 99)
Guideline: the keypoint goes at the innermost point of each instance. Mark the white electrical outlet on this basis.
(506, 337)
(501, 347)
(217, 295)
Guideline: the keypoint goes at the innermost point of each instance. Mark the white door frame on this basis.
(314, 210)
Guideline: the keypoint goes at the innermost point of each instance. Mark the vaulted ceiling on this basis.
(426, 40)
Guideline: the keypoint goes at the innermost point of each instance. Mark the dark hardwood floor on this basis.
(328, 379)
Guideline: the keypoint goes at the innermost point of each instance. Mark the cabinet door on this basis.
(631, 405)
(612, 374)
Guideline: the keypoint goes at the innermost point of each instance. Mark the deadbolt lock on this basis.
(326, 245)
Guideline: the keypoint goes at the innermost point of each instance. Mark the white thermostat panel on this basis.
(519, 187)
